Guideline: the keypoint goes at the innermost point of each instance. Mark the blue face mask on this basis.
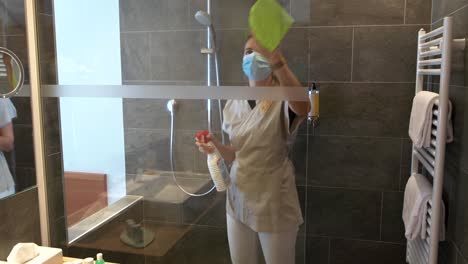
(256, 67)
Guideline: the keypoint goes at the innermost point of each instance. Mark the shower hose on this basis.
(172, 160)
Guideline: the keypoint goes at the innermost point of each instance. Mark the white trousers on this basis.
(277, 248)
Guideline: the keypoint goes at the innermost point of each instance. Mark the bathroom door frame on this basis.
(37, 114)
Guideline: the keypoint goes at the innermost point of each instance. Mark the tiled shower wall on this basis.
(351, 170)
(455, 250)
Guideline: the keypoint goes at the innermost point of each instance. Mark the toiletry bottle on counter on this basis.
(100, 259)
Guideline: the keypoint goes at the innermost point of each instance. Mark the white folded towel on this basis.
(418, 193)
(420, 126)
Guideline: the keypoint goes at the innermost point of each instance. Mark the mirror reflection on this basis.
(11, 73)
(7, 139)
(16, 149)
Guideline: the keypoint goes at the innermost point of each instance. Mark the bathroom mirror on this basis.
(11, 73)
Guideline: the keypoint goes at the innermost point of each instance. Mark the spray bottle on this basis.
(215, 163)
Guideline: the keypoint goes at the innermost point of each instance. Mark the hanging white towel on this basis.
(418, 193)
(420, 126)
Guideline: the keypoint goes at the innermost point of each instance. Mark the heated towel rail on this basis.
(433, 59)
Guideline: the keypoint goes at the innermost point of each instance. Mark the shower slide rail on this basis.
(433, 59)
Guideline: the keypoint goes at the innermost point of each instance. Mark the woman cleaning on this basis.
(262, 200)
(7, 114)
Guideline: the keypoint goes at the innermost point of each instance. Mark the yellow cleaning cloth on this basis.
(269, 23)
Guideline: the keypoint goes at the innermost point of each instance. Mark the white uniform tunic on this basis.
(7, 113)
(263, 192)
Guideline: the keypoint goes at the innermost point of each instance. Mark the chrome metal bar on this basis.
(429, 71)
(426, 156)
(441, 138)
(430, 53)
(431, 34)
(423, 161)
(430, 62)
(435, 42)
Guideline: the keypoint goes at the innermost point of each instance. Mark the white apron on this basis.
(7, 113)
(263, 192)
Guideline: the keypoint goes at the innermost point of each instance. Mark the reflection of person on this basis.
(10, 73)
(7, 114)
(262, 200)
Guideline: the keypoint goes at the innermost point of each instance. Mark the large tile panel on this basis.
(441, 8)
(385, 54)
(343, 213)
(151, 15)
(175, 55)
(353, 162)
(343, 12)
(392, 223)
(365, 109)
(366, 252)
(331, 53)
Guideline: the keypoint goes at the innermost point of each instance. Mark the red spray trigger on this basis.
(202, 136)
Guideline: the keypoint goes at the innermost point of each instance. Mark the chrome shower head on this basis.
(203, 18)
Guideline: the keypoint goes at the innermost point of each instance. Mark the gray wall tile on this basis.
(146, 113)
(418, 11)
(3, 18)
(216, 216)
(366, 252)
(317, 250)
(24, 152)
(135, 56)
(365, 109)
(456, 151)
(406, 157)
(354, 162)
(441, 8)
(150, 15)
(461, 259)
(56, 200)
(459, 73)
(16, 17)
(295, 48)
(231, 50)
(52, 127)
(447, 253)
(24, 177)
(176, 55)
(385, 54)
(343, 213)
(393, 229)
(46, 35)
(20, 220)
(54, 169)
(200, 245)
(342, 12)
(330, 53)
(23, 110)
(299, 158)
(149, 149)
(45, 7)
